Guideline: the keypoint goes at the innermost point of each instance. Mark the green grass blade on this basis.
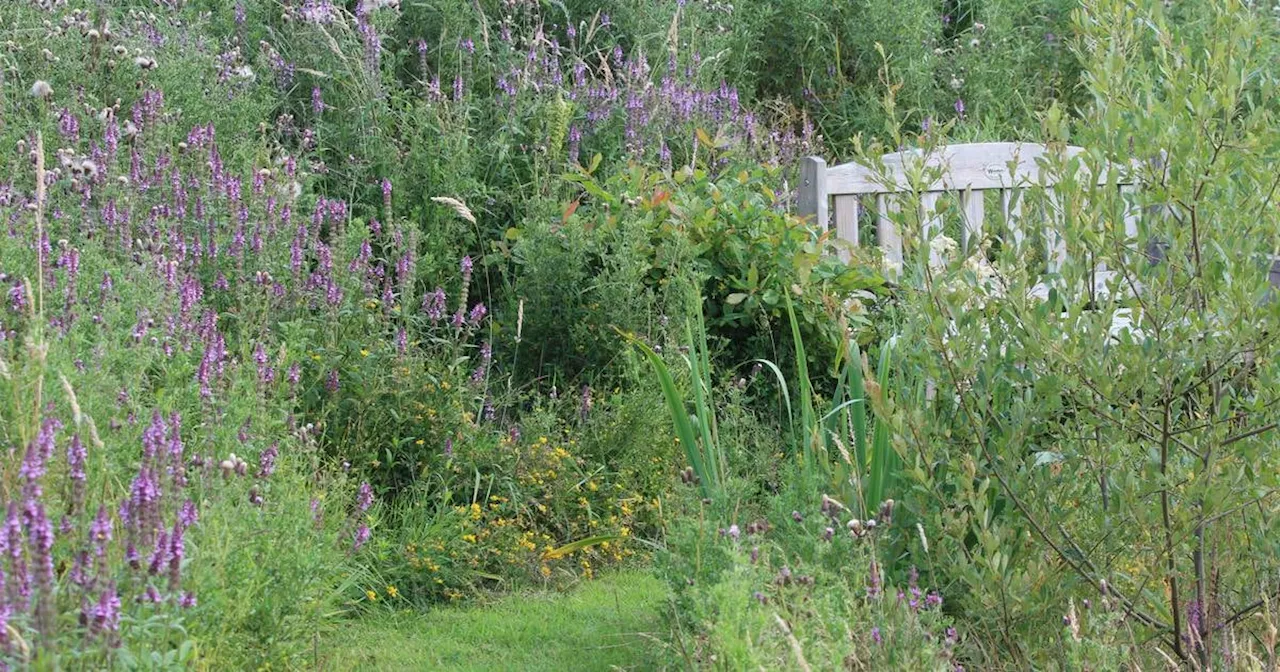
(675, 404)
(809, 428)
(782, 386)
(858, 392)
(577, 546)
(882, 455)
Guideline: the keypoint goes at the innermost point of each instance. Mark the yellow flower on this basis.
(364, 353)
(392, 592)
(545, 571)
(420, 442)
(373, 597)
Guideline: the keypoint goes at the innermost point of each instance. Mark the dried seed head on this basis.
(41, 89)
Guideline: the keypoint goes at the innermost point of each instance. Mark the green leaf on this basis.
(578, 545)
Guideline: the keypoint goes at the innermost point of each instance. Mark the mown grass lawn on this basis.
(610, 623)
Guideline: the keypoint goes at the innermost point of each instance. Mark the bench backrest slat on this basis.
(834, 195)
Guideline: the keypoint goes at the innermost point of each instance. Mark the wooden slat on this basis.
(846, 217)
(811, 200)
(1055, 242)
(1011, 206)
(967, 166)
(1131, 211)
(887, 235)
(973, 205)
(931, 219)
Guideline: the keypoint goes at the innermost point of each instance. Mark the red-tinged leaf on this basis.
(568, 212)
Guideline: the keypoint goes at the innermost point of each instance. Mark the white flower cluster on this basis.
(978, 285)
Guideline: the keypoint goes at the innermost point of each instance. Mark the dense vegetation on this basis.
(317, 314)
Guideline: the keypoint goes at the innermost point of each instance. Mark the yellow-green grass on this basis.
(612, 623)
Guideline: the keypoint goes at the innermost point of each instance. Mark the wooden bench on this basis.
(965, 172)
(839, 196)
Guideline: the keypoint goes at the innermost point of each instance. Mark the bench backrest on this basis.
(967, 171)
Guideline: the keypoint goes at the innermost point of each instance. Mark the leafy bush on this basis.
(1114, 439)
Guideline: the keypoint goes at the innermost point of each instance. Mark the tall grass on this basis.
(866, 476)
(819, 440)
(696, 431)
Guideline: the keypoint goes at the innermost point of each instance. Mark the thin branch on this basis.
(1251, 433)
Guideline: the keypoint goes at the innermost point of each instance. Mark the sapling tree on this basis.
(1106, 433)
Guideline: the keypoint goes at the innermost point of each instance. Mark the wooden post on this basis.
(812, 198)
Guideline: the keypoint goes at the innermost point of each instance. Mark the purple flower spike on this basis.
(364, 498)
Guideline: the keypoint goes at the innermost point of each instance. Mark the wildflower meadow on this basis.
(577, 335)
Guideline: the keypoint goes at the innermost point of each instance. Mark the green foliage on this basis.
(1115, 438)
(605, 624)
(782, 593)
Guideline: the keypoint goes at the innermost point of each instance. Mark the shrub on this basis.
(1113, 440)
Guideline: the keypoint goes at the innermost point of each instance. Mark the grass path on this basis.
(611, 623)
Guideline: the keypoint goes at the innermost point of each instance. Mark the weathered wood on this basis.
(1132, 210)
(964, 172)
(811, 200)
(931, 220)
(887, 235)
(973, 204)
(990, 165)
(1055, 242)
(1011, 207)
(846, 218)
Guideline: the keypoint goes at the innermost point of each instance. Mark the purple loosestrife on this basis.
(76, 457)
(19, 587)
(100, 532)
(40, 537)
(188, 515)
(266, 374)
(361, 536)
(104, 617)
(267, 461)
(364, 498)
(37, 457)
(177, 550)
(433, 305)
(486, 356)
(478, 312)
(159, 555)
